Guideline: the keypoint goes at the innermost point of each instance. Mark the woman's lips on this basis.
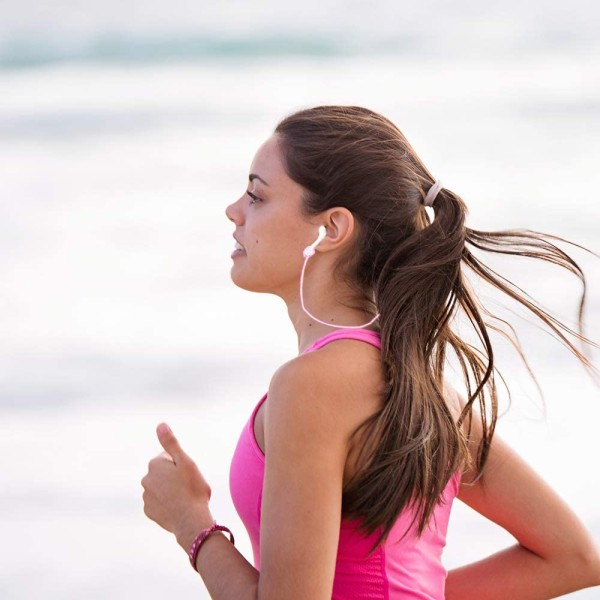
(239, 249)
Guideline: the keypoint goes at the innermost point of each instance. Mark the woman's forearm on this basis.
(519, 574)
(227, 575)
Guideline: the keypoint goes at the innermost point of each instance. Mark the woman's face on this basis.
(270, 227)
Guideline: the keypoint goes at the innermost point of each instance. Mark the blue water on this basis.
(124, 134)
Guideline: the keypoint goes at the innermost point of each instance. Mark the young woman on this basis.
(346, 471)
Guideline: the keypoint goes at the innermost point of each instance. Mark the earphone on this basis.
(307, 253)
(310, 250)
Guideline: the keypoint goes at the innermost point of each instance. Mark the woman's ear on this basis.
(340, 226)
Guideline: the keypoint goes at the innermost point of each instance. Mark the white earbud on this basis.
(310, 250)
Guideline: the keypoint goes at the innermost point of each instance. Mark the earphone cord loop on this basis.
(308, 254)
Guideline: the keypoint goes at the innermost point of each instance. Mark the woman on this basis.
(345, 477)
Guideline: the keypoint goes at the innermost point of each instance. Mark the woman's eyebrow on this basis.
(254, 176)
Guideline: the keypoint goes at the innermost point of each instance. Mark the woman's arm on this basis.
(555, 553)
(308, 423)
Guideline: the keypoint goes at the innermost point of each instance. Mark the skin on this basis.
(544, 563)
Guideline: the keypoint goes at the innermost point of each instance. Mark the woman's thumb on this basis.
(169, 442)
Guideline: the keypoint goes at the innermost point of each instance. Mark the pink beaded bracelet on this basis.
(193, 553)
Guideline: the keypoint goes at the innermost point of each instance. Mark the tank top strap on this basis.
(365, 335)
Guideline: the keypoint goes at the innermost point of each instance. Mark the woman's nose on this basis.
(232, 211)
(228, 212)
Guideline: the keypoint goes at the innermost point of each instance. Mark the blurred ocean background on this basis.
(127, 128)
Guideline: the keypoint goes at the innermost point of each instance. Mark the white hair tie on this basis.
(432, 193)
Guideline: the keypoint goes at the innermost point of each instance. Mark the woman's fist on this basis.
(176, 495)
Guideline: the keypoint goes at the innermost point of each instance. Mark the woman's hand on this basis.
(176, 495)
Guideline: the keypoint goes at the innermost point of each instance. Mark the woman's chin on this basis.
(239, 280)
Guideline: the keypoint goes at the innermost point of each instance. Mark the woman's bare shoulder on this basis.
(352, 363)
(352, 367)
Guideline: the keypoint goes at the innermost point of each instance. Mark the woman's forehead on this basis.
(267, 159)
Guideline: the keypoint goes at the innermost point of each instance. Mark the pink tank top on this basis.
(409, 570)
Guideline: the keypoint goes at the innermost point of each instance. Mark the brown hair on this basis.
(411, 270)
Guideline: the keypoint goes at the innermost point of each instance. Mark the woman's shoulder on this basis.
(342, 383)
(349, 363)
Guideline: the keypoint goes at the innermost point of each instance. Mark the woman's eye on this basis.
(254, 198)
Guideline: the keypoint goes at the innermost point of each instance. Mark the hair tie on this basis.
(432, 193)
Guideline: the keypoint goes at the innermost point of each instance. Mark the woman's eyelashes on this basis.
(254, 198)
